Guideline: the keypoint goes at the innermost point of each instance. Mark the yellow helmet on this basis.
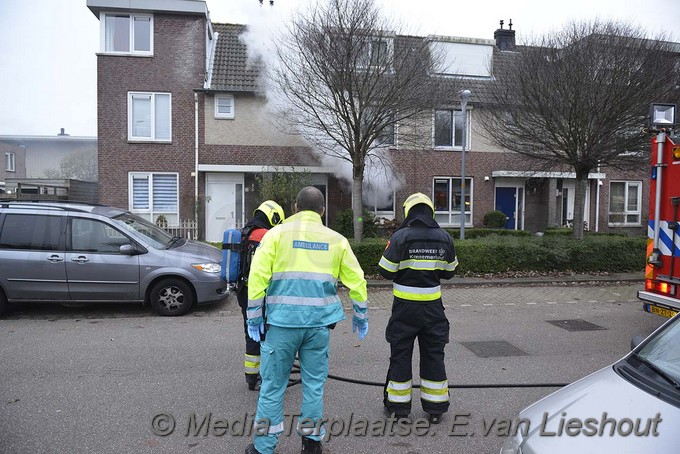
(272, 210)
(417, 199)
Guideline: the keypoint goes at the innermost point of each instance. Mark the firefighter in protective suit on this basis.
(297, 266)
(266, 216)
(417, 256)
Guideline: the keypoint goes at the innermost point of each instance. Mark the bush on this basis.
(344, 225)
(497, 254)
(495, 219)
(473, 233)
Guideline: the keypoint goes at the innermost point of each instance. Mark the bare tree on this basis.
(347, 79)
(579, 99)
(80, 165)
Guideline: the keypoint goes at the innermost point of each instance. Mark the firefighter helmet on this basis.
(272, 210)
(417, 199)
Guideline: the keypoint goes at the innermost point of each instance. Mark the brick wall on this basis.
(177, 67)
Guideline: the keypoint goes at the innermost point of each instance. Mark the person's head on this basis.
(310, 199)
(272, 211)
(418, 204)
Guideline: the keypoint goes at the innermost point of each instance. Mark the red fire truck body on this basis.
(662, 274)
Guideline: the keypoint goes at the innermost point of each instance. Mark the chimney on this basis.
(505, 39)
(62, 133)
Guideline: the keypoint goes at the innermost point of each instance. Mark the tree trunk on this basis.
(357, 203)
(579, 203)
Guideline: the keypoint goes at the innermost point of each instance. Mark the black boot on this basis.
(254, 382)
(250, 449)
(310, 446)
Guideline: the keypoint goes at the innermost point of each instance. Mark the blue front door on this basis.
(506, 202)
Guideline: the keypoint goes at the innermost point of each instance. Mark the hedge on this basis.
(497, 253)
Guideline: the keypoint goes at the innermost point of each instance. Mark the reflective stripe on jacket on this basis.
(297, 267)
(416, 259)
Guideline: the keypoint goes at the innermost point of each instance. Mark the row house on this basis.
(184, 133)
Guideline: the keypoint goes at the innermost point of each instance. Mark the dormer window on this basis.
(377, 54)
(124, 33)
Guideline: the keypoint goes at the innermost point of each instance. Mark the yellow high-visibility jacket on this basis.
(297, 267)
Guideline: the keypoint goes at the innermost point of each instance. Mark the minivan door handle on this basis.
(55, 258)
(80, 259)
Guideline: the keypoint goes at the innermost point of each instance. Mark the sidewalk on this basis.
(491, 280)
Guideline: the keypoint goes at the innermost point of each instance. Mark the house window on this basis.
(10, 162)
(377, 53)
(625, 203)
(224, 106)
(127, 33)
(379, 202)
(448, 129)
(149, 116)
(153, 195)
(447, 201)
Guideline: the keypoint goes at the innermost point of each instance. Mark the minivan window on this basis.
(31, 232)
(158, 237)
(88, 235)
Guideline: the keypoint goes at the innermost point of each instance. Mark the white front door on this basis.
(224, 204)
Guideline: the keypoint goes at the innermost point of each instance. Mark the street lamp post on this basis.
(464, 96)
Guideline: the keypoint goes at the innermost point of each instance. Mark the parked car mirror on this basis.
(128, 249)
(636, 340)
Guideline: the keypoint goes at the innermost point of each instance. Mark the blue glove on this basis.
(255, 330)
(361, 326)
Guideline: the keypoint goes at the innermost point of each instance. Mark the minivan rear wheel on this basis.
(171, 297)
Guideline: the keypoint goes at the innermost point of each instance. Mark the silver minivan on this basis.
(72, 252)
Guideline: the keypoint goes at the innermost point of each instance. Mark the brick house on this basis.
(184, 131)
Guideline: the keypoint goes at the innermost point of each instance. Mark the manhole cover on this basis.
(576, 325)
(487, 349)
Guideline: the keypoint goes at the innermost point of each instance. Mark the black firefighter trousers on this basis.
(427, 322)
(252, 356)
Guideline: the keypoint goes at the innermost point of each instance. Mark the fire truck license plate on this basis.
(661, 311)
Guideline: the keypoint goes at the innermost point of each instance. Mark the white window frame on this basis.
(10, 162)
(453, 146)
(221, 115)
(626, 212)
(390, 54)
(131, 44)
(152, 138)
(451, 217)
(149, 213)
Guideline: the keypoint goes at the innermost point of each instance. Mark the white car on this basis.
(632, 406)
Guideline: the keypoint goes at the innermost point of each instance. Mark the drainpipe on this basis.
(597, 201)
(196, 159)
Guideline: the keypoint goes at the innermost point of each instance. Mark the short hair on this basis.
(310, 198)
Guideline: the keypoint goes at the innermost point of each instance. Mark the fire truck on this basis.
(662, 272)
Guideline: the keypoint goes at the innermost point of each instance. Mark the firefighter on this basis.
(417, 256)
(298, 265)
(266, 216)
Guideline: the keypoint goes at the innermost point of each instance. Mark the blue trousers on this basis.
(278, 352)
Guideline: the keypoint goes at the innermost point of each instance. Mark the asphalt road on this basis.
(95, 379)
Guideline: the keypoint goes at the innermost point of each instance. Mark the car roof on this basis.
(65, 206)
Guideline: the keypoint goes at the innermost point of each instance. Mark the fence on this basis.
(187, 228)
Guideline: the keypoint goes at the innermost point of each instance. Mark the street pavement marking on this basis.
(532, 303)
(488, 304)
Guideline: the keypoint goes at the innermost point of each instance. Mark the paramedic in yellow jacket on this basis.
(297, 266)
